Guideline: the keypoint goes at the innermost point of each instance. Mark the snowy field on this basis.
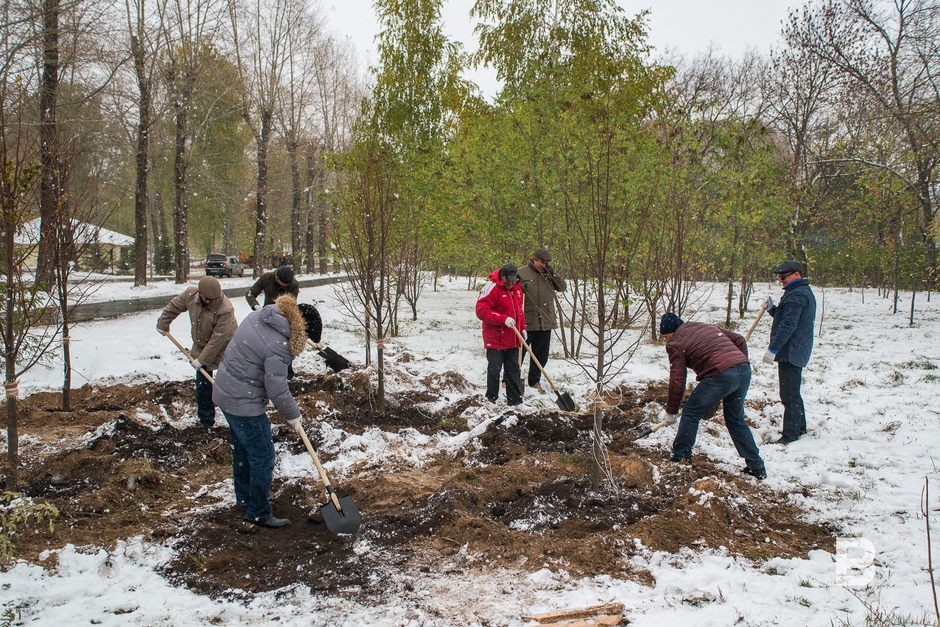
(871, 393)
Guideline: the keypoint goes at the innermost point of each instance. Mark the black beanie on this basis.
(669, 323)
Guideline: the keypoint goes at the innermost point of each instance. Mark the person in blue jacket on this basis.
(791, 343)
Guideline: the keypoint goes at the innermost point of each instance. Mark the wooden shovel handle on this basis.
(188, 356)
(747, 336)
(536, 361)
(320, 470)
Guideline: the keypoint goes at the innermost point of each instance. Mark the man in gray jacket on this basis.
(254, 371)
(212, 325)
(540, 283)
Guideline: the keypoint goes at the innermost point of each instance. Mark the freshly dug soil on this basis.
(131, 460)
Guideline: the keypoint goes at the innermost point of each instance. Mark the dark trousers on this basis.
(794, 415)
(252, 463)
(496, 361)
(730, 387)
(539, 342)
(205, 408)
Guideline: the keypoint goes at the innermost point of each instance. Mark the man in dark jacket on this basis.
(212, 324)
(254, 371)
(540, 283)
(273, 284)
(791, 344)
(499, 306)
(719, 359)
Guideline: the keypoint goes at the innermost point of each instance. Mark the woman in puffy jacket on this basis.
(499, 306)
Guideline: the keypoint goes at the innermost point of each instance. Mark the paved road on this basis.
(108, 309)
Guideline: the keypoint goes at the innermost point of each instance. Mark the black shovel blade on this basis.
(334, 360)
(346, 521)
(564, 401)
(642, 434)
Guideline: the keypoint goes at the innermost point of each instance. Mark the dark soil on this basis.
(117, 467)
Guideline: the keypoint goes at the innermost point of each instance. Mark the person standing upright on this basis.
(791, 344)
(540, 283)
(273, 284)
(212, 325)
(499, 306)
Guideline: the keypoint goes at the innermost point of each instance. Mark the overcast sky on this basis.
(688, 27)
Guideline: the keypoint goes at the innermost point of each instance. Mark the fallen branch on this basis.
(584, 612)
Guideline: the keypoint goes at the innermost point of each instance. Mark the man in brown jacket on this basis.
(719, 359)
(540, 283)
(212, 325)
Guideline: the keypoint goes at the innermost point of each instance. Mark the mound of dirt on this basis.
(131, 460)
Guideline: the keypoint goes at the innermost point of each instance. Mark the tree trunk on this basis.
(261, 213)
(143, 164)
(181, 208)
(296, 245)
(310, 178)
(49, 185)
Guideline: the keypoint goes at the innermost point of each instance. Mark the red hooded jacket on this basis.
(496, 303)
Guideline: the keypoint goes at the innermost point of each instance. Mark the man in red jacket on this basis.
(499, 306)
(719, 359)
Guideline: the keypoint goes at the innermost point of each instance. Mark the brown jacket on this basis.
(706, 349)
(540, 291)
(211, 326)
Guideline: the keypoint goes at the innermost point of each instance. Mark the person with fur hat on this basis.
(273, 284)
(791, 344)
(254, 371)
(540, 283)
(212, 325)
(719, 359)
(499, 307)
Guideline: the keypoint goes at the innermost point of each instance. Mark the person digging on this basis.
(719, 359)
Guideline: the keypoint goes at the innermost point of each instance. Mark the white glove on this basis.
(161, 331)
(525, 335)
(769, 304)
(669, 419)
(769, 356)
(256, 308)
(510, 322)
(195, 363)
(295, 424)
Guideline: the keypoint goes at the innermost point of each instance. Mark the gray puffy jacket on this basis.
(254, 368)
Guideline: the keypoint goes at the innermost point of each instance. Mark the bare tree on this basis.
(260, 37)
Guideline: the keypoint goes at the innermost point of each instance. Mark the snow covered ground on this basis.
(871, 393)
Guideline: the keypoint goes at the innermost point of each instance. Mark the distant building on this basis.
(99, 249)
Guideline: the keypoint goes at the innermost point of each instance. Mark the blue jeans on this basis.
(205, 408)
(729, 387)
(252, 463)
(794, 415)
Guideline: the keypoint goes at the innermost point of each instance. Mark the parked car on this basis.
(224, 265)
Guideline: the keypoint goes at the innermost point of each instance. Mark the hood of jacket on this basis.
(494, 277)
(285, 317)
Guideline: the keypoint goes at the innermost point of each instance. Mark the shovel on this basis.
(563, 400)
(747, 336)
(334, 360)
(651, 430)
(188, 356)
(340, 514)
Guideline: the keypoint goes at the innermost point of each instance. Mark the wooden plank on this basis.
(584, 612)
(603, 620)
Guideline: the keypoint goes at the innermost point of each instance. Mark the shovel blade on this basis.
(642, 434)
(334, 360)
(346, 521)
(565, 402)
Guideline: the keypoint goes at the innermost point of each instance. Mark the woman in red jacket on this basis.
(499, 306)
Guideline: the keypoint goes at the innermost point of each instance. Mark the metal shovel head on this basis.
(345, 521)
(642, 434)
(334, 360)
(564, 401)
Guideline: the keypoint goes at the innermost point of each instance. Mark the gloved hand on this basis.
(510, 322)
(550, 269)
(769, 304)
(195, 363)
(295, 424)
(256, 308)
(161, 331)
(769, 356)
(669, 419)
(525, 335)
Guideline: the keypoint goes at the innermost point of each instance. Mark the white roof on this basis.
(85, 233)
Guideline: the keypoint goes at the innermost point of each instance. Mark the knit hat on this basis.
(210, 288)
(284, 275)
(669, 323)
(510, 273)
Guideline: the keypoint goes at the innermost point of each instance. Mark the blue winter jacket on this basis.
(791, 335)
